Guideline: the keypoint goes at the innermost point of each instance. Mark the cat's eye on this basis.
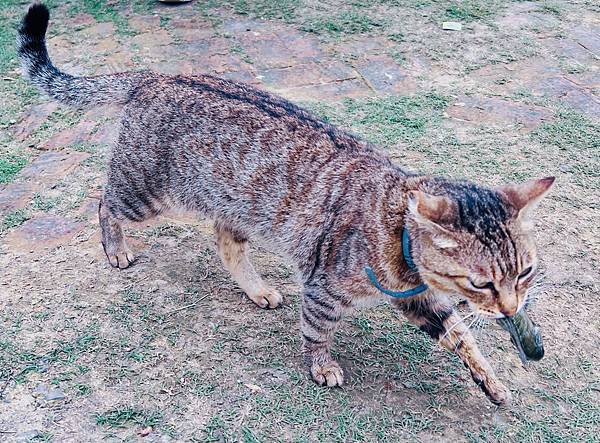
(525, 273)
(489, 285)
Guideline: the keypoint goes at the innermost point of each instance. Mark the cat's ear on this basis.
(526, 196)
(430, 212)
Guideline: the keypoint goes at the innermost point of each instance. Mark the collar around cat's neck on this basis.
(411, 264)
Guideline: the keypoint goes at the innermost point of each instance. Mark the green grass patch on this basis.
(104, 11)
(347, 22)
(10, 165)
(470, 10)
(577, 138)
(268, 9)
(389, 120)
(13, 219)
(123, 416)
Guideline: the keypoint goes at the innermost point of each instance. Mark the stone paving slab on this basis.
(497, 111)
(35, 116)
(79, 133)
(15, 196)
(43, 232)
(49, 167)
(384, 75)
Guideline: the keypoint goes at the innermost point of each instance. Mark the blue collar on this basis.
(411, 264)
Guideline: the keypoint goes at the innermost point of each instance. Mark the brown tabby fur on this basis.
(267, 170)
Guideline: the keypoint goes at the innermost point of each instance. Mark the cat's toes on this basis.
(499, 394)
(329, 374)
(267, 298)
(120, 259)
(495, 391)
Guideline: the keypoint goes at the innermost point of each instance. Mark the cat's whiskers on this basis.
(456, 324)
(464, 332)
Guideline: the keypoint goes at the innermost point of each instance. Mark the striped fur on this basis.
(267, 170)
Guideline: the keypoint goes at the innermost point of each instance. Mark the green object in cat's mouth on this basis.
(525, 335)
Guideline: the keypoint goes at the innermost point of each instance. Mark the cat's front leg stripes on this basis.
(321, 314)
(436, 316)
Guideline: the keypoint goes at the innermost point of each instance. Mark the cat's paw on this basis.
(494, 390)
(329, 374)
(267, 298)
(120, 258)
(498, 393)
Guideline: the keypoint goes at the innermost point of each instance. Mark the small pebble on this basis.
(55, 395)
(451, 26)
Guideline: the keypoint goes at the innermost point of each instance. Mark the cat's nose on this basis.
(509, 312)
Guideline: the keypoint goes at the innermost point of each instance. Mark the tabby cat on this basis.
(265, 169)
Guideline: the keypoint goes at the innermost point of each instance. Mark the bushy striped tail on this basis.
(81, 92)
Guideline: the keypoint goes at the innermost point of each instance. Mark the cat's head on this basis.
(477, 242)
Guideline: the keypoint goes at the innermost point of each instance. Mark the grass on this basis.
(127, 415)
(302, 407)
(470, 10)
(13, 219)
(267, 9)
(10, 165)
(389, 120)
(347, 22)
(577, 138)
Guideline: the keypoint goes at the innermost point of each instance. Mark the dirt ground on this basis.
(170, 350)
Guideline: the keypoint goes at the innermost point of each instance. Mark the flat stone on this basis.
(588, 37)
(81, 19)
(104, 46)
(117, 61)
(192, 35)
(249, 77)
(588, 79)
(362, 46)
(219, 64)
(527, 19)
(583, 101)
(33, 119)
(70, 136)
(562, 89)
(106, 135)
(301, 46)
(329, 91)
(236, 26)
(569, 49)
(144, 23)
(42, 232)
(266, 50)
(384, 75)
(102, 30)
(15, 196)
(493, 110)
(307, 74)
(51, 166)
(160, 37)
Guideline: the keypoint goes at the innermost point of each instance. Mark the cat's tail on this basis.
(80, 92)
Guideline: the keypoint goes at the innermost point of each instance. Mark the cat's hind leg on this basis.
(113, 241)
(232, 246)
(120, 202)
(435, 315)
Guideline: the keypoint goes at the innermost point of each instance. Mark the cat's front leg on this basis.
(321, 313)
(435, 315)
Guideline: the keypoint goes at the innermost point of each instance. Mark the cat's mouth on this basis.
(525, 335)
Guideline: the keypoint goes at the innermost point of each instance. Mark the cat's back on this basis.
(213, 110)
